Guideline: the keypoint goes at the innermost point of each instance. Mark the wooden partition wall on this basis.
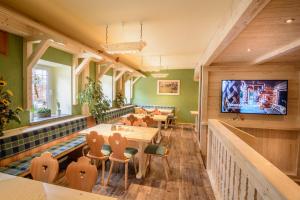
(237, 171)
(278, 136)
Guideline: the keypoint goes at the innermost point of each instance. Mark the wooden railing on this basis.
(237, 171)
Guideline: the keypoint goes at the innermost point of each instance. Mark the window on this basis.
(51, 91)
(107, 87)
(128, 91)
(40, 88)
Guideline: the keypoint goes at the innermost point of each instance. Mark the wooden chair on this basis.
(156, 112)
(162, 151)
(126, 122)
(140, 123)
(120, 153)
(82, 175)
(131, 118)
(98, 151)
(140, 111)
(44, 168)
(150, 121)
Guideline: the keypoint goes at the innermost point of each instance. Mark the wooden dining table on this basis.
(137, 137)
(19, 188)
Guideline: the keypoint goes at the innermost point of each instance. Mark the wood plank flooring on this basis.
(188, 179)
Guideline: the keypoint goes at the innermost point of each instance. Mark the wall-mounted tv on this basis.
(267, 97)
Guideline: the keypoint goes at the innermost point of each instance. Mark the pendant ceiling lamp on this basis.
(160, 75)
(124, 47)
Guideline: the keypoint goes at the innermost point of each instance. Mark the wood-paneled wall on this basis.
(263, 72)
(280, 147)
(270, 128)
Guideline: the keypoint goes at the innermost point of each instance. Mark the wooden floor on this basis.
(188, 179)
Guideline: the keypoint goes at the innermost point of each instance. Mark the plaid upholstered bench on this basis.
(158, 107)
(14, 145)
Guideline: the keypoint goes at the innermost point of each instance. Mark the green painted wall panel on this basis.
(11, 71)
(58, 56)
(145, 93)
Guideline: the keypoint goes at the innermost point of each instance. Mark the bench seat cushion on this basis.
(21, 166)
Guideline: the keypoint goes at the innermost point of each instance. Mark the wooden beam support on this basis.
(128, 77)
(30, 59)
(82, 65)
(135, 80)
(293, 46)
(105, 70)
(98, 71)
(242, 15)
(39, 52)
(119, 75)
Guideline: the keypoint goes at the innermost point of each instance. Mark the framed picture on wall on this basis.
(3, 42)
(168, 87)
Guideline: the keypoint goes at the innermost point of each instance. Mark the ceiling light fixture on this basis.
(160, 75)
(124, 47)
(289, 21)
(249, 50)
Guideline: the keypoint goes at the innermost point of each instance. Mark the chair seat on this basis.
(129, 152)
(155, 149)
(106, 150)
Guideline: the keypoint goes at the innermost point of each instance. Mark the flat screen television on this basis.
(267, 97)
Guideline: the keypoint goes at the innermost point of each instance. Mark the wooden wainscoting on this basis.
(280, 147)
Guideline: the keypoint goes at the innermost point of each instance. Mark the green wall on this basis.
(145, 93)
(11, 71)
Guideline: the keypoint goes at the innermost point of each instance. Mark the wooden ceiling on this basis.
(268, 38)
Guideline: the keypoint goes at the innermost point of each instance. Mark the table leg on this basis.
(159, 132)
(141, 172)
(196, 123)
(166, 124)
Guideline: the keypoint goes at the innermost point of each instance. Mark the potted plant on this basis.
(93, 95)
(119, 100)
(7, 114)
(43, 112)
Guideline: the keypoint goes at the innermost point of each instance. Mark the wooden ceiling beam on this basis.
(21, 25)
(293, 46)
(242, 15)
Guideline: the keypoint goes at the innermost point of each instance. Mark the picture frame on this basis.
(168, 87)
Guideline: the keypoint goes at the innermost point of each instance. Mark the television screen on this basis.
(254, 96)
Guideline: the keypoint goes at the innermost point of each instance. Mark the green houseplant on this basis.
(119, 100)
(97, 102)
(7, 114)
(43, 112)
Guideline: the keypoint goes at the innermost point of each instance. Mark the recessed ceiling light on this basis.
(289, 21)
(248, 50)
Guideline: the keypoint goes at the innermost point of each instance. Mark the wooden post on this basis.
(74, 80)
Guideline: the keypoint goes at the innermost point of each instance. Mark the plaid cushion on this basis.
(10, 146)
(116, 113)
(157, 107)
(18, 167)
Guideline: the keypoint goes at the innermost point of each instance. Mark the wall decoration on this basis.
(3, 42)
(168, 87)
